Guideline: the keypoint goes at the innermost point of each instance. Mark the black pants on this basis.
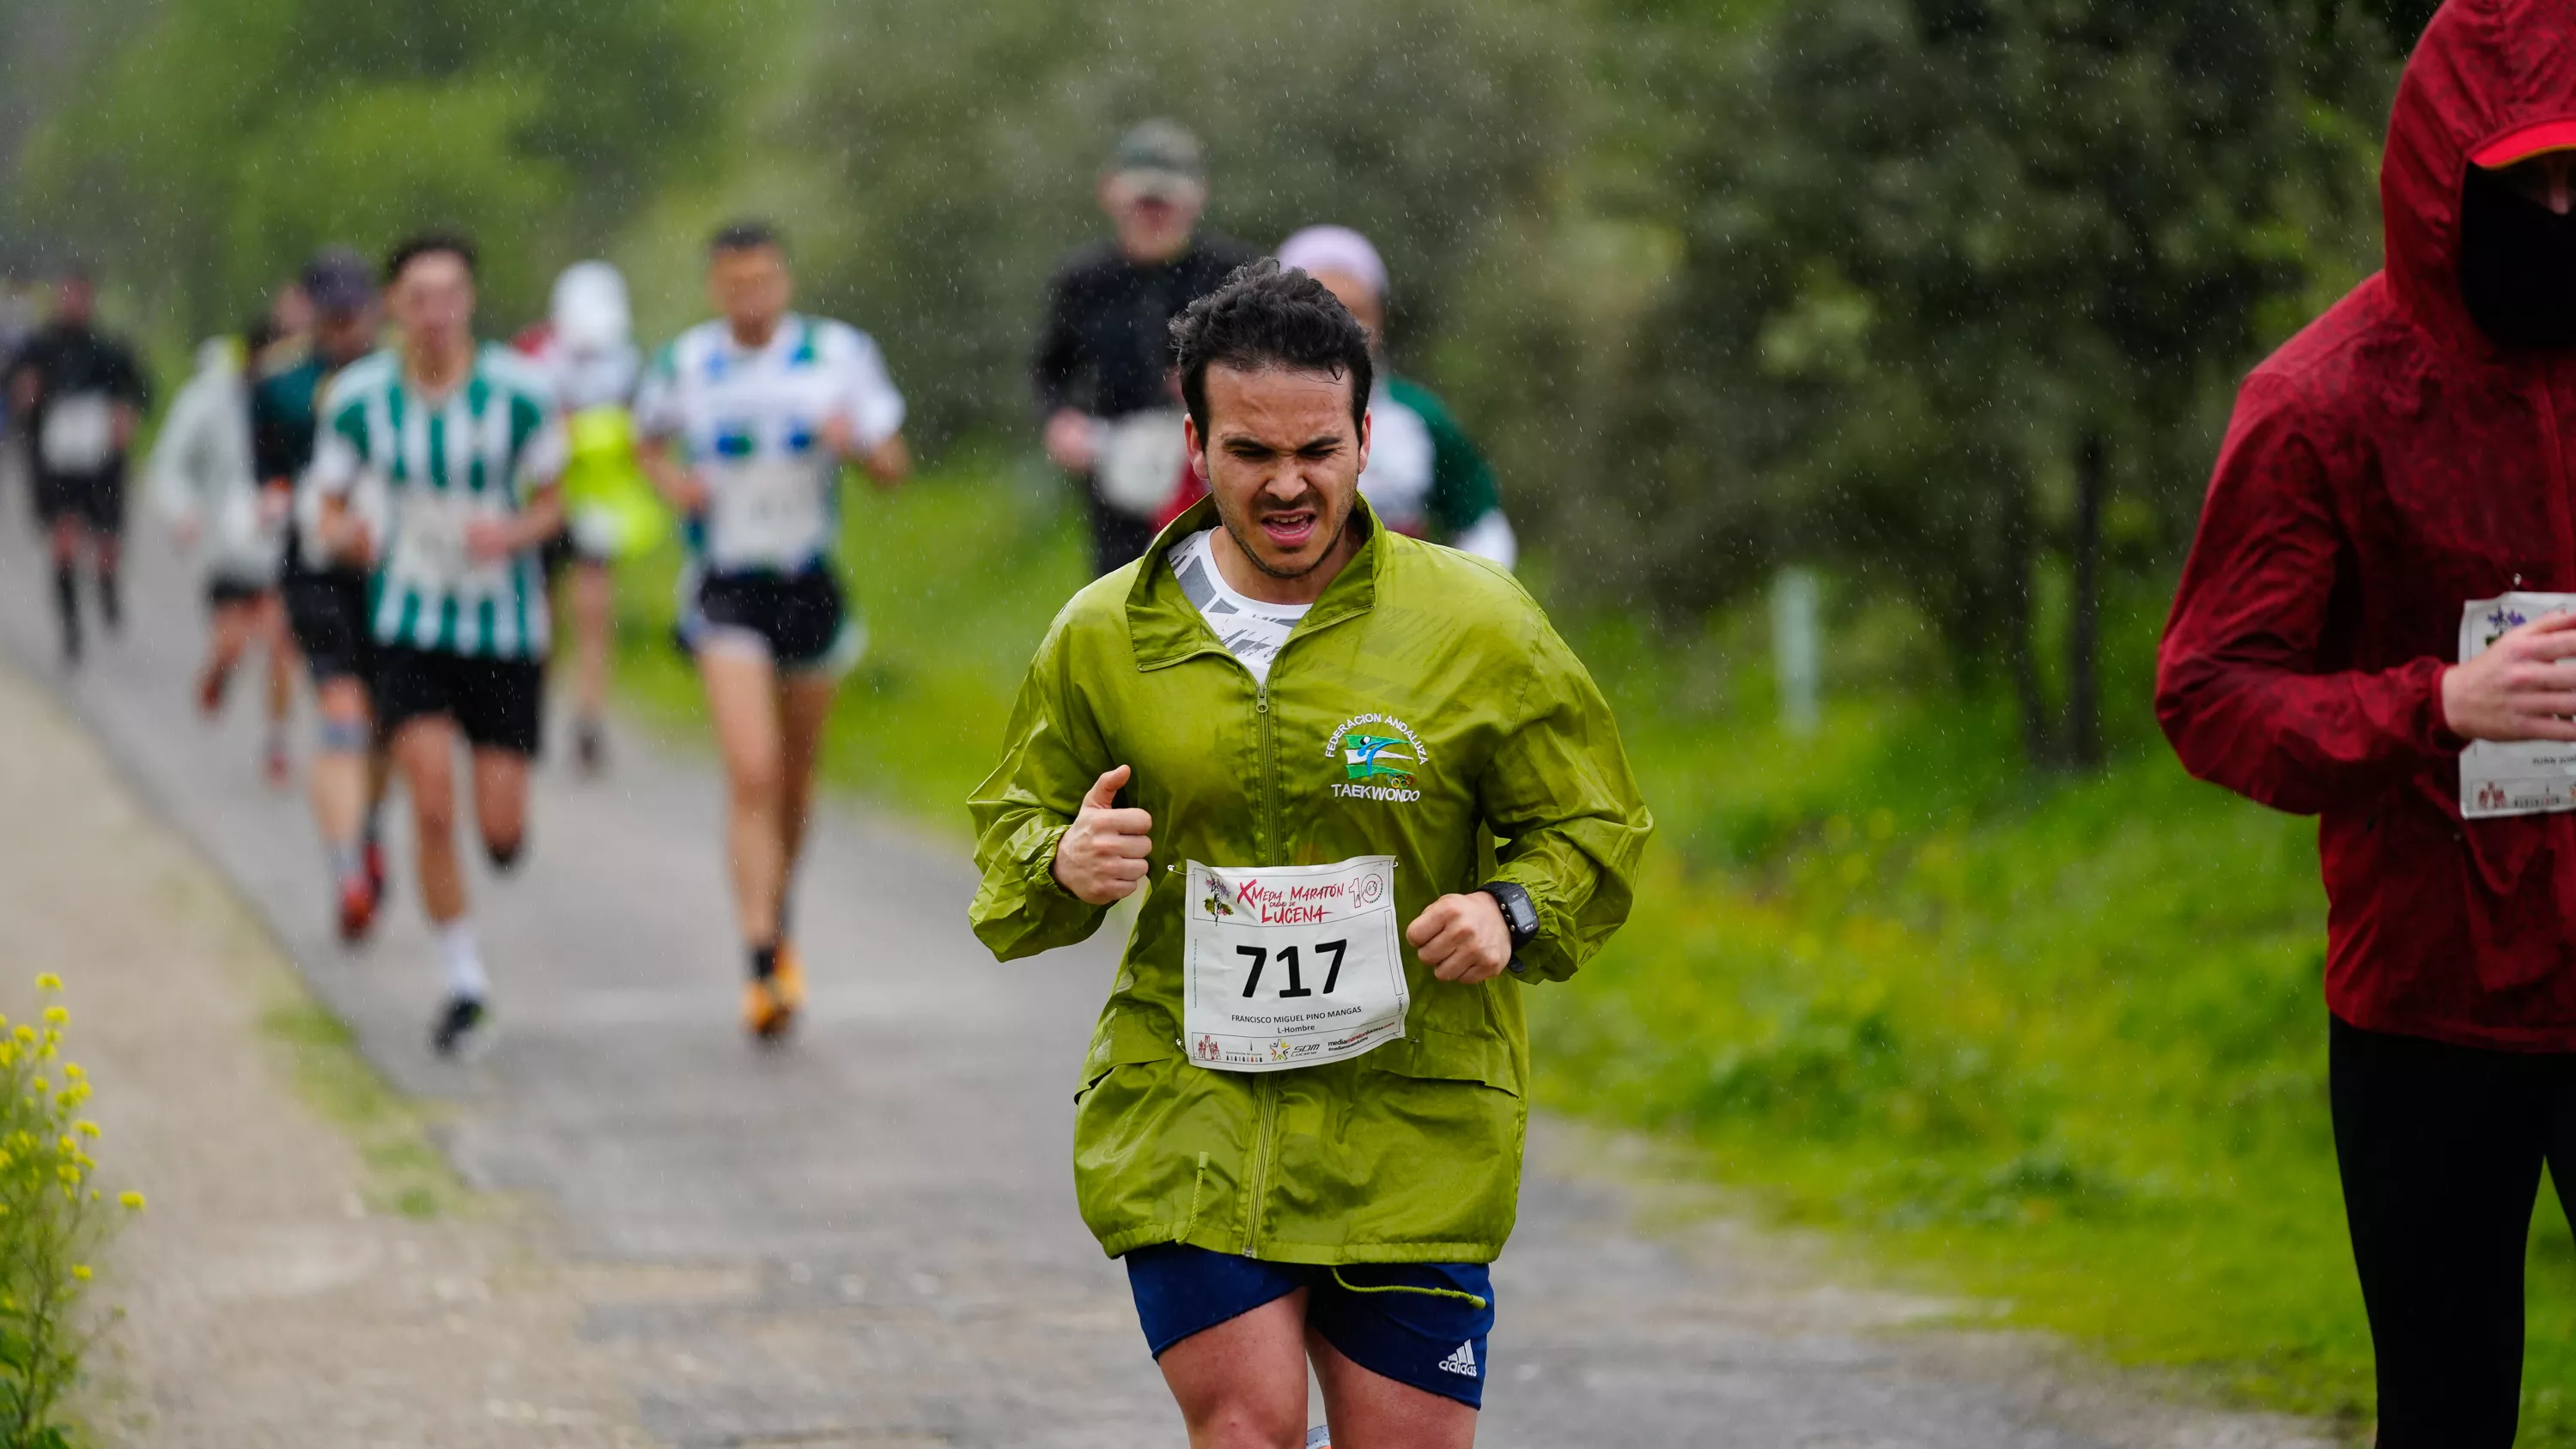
(2441, 1149)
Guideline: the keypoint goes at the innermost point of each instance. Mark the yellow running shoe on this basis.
(789, 980)
(769, 1002)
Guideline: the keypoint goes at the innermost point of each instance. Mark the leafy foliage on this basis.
(231, 138)
(53, 1221)
(1928, 253)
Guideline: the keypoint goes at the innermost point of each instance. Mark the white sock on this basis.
(464, 964)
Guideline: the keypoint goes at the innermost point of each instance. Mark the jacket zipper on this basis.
(1266, 1089)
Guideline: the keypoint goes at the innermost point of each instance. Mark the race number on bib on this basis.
(2521, 777)
(79, 435)
(1291, 966)
(768, 513)
(429, 552)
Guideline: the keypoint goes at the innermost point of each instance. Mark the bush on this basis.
(53, 1221)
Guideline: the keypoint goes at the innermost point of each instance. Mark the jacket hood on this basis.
(2484, 70)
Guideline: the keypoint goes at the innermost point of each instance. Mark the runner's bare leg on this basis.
(1242, 1384)
(594, 606)
(1371, 1411)
(742, 699)
(804, 713)
(425, 752)
(270, 630)
(501, 799)
(228, 638)
(345, 782)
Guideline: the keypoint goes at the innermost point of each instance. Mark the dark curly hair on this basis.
(428, 243)
(1267, 315)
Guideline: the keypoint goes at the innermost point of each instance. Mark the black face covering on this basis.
(2517, 264)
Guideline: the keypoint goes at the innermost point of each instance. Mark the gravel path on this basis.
(868, 1239)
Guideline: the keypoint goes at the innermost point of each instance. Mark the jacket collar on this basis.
(1164, 627)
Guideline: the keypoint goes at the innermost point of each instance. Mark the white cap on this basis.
(590, 312)
(1335, 249)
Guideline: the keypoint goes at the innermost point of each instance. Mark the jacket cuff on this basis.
(1546, 950)
(1039, 866)
(2437, 733)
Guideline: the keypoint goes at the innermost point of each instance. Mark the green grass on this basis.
(406, 1174)
(2052, 1043)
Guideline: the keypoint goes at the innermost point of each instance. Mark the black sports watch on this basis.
(1519, 916)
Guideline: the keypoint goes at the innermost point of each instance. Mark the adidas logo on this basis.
(1461, 1362)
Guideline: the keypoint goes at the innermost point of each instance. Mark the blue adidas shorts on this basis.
(1422, 1324)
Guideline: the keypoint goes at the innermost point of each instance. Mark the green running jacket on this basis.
(1412, 1152)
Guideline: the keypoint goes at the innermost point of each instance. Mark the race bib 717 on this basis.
(1291, 966)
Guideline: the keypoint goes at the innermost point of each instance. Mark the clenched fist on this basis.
(1462, 938)
(1100, 858)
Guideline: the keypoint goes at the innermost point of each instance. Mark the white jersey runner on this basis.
(751, 422)
(1291, 966)
(2517, 777)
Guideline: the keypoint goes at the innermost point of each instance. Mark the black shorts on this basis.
(497, 704)
(222, 593)
(328, 613)
(96, 500)
(799, 620)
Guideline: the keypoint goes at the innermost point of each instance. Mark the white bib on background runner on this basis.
(1139, 459)
(767, 513)
(1291, 966)
(2517, 777)
(429, 550)
(79, 435)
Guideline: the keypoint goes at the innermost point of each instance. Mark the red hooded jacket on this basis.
(2385, 467)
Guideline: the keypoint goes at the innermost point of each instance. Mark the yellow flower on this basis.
(49, 982)
(42, 1086)
(24, 1032)
(73, 1071)
(56, 1015)
(132, 1201)
(81, 1271)
(85, 1128)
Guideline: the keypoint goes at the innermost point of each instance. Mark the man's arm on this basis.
(26, 378)
(2238, 687)
(1560, 797)
(172, 467)
(540, 514)
(867, 423)
(1056, 367)
(1024, 809)
(322, 495)
(1055, 372)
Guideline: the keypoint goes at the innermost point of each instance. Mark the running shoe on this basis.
(358, 901)
(460, 1027)
(1319, 1437)
(769, 1002)
(210, 692)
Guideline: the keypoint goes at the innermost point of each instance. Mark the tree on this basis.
(230, 138)
(1975, 278)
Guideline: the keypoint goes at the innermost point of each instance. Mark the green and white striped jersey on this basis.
(480, 452)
